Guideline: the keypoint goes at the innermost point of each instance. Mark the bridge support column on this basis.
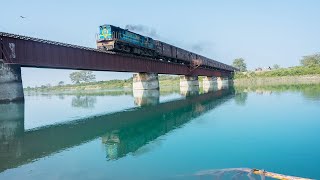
(145, 81)
(10, 83)
(146, 97)
(189, 85)
(209, 84)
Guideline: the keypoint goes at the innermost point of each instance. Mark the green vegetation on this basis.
(165, 81)
(308, 73)
(311, 60)
(169, 81)
(78, 77)
(293, 71)
(240, 64)
(276, 66)
(310, 66)
(61, 83)
(112, 84)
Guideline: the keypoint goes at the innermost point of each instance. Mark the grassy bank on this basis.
(258, 81)
(282, 72)
(293, 75)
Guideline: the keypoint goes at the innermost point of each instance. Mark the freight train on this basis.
(112, 38)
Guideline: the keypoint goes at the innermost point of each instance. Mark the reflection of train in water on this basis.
(113, 38)
(155, 121)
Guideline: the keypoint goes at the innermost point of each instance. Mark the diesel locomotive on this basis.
(112, 38)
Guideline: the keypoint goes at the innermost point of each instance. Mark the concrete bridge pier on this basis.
(146, 97)
(10, 83)
(145, 81)
(189, 85)
(209, 84)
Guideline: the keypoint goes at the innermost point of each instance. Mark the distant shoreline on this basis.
(282, 80)
(281, 76)
(297, 75)
(165, 82)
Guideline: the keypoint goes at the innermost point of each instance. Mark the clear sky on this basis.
(262, 32)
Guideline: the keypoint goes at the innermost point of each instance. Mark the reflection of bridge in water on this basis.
(121, 132)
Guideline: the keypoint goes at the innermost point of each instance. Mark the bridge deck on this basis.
(33, 52)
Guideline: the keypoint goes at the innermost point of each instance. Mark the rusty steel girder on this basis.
(33, 52)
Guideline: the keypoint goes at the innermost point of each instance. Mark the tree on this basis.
(276, 66)
(311, 60)
(240, 64)
(61, 83)
(82, 76)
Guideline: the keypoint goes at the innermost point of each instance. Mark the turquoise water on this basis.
(166, 136)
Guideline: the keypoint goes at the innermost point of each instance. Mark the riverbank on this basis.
(166, 82)
(292, 75)
(283, 80)
(283, 76)
(282, 72)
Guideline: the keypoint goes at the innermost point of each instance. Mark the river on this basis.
(161, 135)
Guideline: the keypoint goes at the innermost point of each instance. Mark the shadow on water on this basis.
(121, 132)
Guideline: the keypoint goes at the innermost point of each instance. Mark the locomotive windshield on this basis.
(104, 32)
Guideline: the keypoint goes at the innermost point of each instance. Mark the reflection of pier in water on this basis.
(146, 97)
(122, 132)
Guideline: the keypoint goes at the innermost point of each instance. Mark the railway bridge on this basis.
(18, 51)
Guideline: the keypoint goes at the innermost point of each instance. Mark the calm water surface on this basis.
(161, 135)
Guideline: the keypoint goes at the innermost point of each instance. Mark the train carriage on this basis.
(193, 56)
(172, 53)
(165, 50)
(183, 55)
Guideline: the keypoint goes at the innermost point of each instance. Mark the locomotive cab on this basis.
(112, 38)
(105, 33)
(106, 37)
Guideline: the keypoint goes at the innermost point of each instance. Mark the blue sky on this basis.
(262, 32)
